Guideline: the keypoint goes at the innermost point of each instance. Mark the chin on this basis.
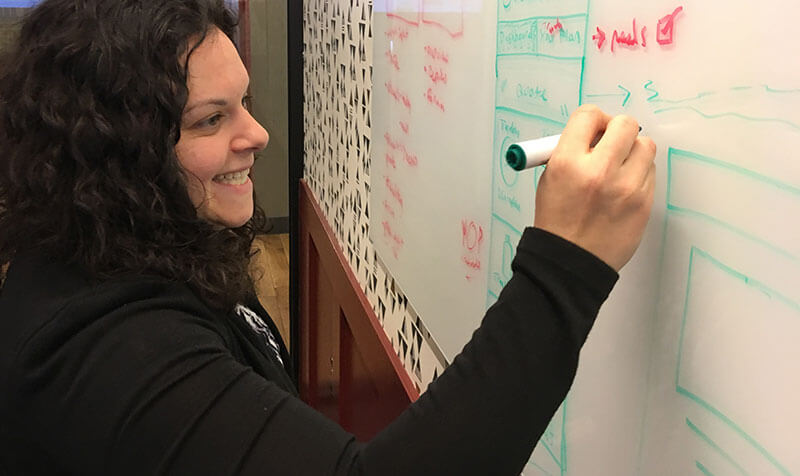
(236, 222)
(229, 220)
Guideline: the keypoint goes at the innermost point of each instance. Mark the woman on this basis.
(130, 340)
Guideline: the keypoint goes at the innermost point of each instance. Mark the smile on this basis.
(235, 178)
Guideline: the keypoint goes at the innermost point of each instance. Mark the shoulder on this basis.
(49, 309)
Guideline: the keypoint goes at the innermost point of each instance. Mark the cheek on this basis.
(201, 161)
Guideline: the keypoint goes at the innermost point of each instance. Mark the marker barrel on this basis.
(531, 153)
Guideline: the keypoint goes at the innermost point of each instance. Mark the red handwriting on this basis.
(437, 54)
(666, 27)
(471, 235)
(390, 161)
(599, 37)
(433, 99)
(625, 39)
(391, 143)
(395, 239)
(553, 29)
(393, 60)
(394, 190)
(664, 33)
(437, 75)
(474, 264)
(410, 158)
(397, 33)
(388, 208)
(471, 241)
(398, 95)
(404, 126)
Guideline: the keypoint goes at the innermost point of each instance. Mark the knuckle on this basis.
(626, 121)
(588, 109)
(648, 144)
(626, 191)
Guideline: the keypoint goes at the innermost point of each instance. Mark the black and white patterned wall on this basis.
(338, 91)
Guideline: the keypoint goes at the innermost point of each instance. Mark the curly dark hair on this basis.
(91, 98)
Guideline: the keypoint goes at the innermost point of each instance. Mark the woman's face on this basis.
(219, 137)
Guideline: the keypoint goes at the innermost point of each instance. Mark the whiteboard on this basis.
(692, 365)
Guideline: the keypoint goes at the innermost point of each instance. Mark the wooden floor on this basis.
(270, 269)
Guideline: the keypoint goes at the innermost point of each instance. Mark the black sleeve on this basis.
(157, 392)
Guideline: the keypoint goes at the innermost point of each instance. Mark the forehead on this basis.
(215, 64)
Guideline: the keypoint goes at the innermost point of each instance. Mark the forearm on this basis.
(488, 409)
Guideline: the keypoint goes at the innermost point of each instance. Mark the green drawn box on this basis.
(737, 346)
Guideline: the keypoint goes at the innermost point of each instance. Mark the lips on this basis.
(233, 178)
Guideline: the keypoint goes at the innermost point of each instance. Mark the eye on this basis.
(210, 122)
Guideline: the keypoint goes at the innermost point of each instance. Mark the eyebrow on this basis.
(213, 102)
(209, 102)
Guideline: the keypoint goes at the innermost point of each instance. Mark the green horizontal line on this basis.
(540, 55)
(560, 17)
(528, 115)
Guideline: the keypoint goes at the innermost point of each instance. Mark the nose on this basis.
(252, 137)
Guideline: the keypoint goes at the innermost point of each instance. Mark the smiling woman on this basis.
(219, 137)
(132, 341)
(92, 122)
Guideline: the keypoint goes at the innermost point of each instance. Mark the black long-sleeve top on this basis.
(136, 376)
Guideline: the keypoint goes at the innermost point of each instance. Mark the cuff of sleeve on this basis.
(598, 276)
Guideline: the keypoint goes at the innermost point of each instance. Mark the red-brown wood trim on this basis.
(244, 33)
(370, 350)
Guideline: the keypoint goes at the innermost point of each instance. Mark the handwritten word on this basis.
(437, 54)
(509, 128)
(389, 209)
(433, 99)
(397, 33)
(393, 59)
(471, 241)
(517, 37)
(390, 161)
(553, 29)
(472, 263)
(628, 39)
(398, 95)
(394, 190)
(411, 159)
(437, 75)
(510, 199)
(396, 240)
(559, 32)
(471, 235)
(532, 92)
(635, 37)
(391, 143)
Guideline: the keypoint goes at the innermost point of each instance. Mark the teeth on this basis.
(237, 178)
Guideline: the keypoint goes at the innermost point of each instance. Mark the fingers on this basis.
(585, 124)
(618, 139)
(639, 161)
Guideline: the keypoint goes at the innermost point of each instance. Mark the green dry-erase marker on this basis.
(532, 153)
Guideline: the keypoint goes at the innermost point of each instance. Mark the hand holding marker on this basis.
(532, 153)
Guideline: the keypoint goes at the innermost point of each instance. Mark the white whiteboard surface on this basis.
(694, 365)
